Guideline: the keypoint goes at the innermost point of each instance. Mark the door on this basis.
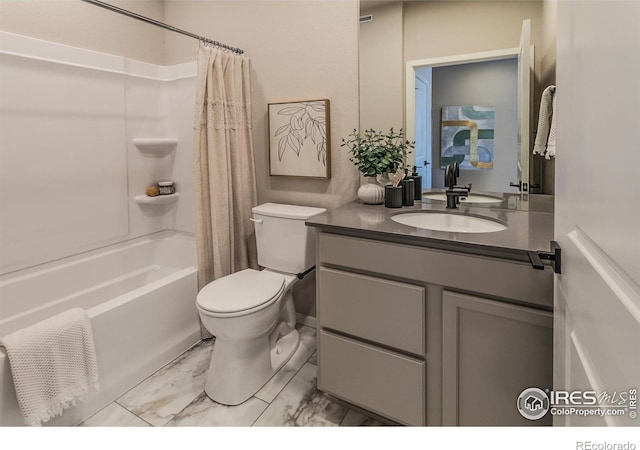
(423, 128)
(597, 214)
(524, 106)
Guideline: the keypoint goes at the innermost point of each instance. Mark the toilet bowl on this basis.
(251, 313)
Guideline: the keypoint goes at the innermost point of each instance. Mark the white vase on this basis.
(384, 179)
(371, 193)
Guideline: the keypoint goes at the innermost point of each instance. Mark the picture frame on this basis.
(300, 139)
(467, 136)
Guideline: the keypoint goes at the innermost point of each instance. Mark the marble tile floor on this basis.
(174, 397)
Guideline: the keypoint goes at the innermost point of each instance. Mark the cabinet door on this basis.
(491, 352)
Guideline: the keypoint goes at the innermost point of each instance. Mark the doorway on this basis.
(423, 125)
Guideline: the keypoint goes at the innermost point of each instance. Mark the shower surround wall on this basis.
(69, 170)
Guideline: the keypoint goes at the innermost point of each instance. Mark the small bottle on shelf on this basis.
(166, 187)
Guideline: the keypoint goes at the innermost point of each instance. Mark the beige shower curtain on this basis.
(224, 165)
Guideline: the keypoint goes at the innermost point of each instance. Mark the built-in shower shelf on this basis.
(156, 146)
(157, 200)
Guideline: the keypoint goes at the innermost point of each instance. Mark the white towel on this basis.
(546, 134)
(53, 364)
(551, 141)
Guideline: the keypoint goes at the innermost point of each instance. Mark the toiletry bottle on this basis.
(408, 191)
(166, 187)
(417, 183)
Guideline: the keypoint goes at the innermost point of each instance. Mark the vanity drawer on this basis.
(375, 309)
(498, 278)
(384, 382)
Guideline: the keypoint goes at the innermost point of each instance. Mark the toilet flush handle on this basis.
(255, 220)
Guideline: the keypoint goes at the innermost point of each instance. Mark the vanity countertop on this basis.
(529, 221)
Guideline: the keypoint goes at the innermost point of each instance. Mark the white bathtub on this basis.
(140, 296)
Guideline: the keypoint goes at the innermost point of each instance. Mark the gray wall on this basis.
(492, 83)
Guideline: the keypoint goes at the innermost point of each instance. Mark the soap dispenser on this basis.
(408, 189)
(417, 183)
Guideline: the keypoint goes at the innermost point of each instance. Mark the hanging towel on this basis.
(551, 141)
(546, 122)
(53, 364)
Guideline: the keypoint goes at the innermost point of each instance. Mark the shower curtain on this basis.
(224, 167)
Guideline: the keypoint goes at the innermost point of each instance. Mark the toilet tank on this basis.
(284, 242)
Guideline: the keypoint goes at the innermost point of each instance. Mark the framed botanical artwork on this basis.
(300, 139)
(467, 136)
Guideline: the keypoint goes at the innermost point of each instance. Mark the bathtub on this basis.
(140, 296)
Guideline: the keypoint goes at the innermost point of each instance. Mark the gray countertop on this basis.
(529, 221)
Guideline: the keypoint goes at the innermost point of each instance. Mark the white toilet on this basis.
(251, 312)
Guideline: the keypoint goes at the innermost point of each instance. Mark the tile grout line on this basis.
(279, 392)
(346, 411)
(200, 342)
(133, 387)
(186, 406)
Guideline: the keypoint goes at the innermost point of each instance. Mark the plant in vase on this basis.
(377, 155)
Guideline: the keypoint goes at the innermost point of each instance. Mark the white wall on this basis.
(81, 24)
(69, 171)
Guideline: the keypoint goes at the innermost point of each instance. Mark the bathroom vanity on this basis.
(429, 327)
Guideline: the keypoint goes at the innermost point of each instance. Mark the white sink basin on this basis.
(455, 223)
(471, 198)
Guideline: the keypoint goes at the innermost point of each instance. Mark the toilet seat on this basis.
(241, 292)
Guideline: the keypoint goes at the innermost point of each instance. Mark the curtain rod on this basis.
(163, 25)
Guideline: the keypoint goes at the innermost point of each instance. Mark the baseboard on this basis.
(309, 321)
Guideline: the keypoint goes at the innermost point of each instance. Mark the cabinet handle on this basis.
(555, 256)
(535, 260)
(255, 220)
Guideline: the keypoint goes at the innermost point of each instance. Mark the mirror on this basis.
(458, 54)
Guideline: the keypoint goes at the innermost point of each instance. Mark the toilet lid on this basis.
(240, 291)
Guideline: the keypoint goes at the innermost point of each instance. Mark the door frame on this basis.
(428, 173)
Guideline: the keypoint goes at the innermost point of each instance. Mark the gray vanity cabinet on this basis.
(430, 337)
(372, 338)
(491, 352)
